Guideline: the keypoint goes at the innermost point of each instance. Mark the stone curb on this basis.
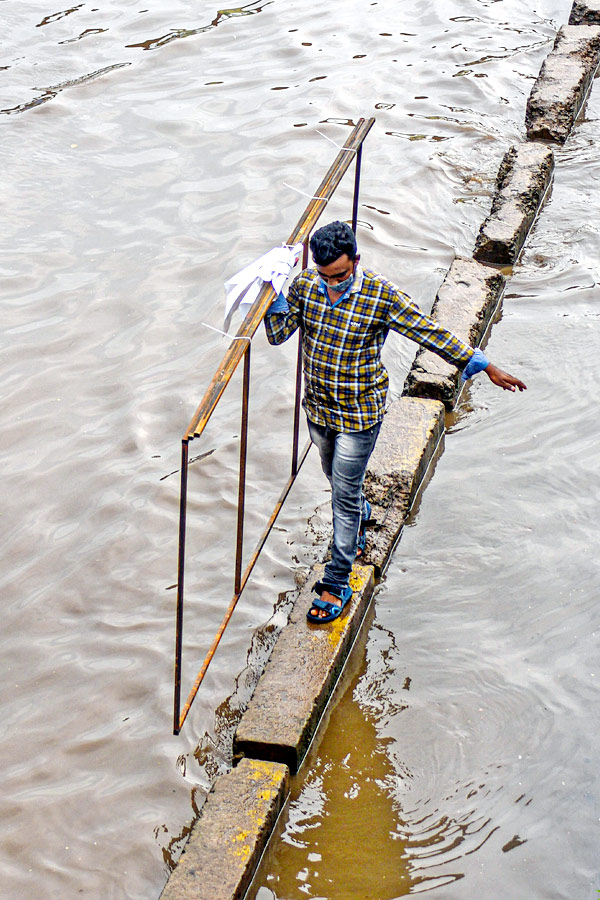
(585, 12)
(563, 83)
(228, 839)
(411, 433)
(465, 304)
(523, 180)
(292, 694)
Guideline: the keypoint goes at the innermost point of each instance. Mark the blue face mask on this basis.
(342, 286)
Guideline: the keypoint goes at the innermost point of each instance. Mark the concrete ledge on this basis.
(292, 694)
(465, 304)
(563, 83)
(411, 431)
(585, 12)
(227, 841)
(523, 180)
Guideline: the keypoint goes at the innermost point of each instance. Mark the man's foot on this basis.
(328, 605)
(326, 597)
(362, 534)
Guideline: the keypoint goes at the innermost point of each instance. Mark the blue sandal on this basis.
(333, 610)
(361, 543)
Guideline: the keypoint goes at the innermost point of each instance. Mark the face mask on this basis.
(342, 286)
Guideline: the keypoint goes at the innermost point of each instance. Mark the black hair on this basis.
(331, 241)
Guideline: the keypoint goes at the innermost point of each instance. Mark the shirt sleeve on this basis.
(406, 318)
(284, 316)
(477, 363)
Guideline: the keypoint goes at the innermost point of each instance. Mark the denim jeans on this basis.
(344, 458)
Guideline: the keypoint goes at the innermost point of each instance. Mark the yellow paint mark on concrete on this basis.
(243, 851)
(270, 775)
(334, 635)
(359, 578)
(264, 770)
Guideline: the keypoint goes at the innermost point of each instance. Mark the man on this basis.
(345, 313)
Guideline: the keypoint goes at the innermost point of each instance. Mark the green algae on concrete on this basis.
(465, 303)
(563, 83)
(228, 840)
(293, 692)
(411, 431)
(522, 184)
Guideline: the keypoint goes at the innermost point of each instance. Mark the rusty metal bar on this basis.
(236, 596)
(180, 577)
(273, 519)
(242, 483)
(356, 189)
(298, 394)
(240, 348)
(299, 235)
(297, 404)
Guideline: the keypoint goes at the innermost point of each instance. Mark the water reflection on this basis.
(49, 93)
(222, 15)
(345, 811)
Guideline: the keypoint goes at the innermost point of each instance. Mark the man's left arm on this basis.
(407, 319)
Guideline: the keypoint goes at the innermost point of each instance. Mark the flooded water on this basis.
(462, 758)
(145, 151)
(470, 755)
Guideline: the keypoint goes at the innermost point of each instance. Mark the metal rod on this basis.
(242, 482)
(180, 576)
(273, 518)
(236, 596)
(250, 324)
(240, 347)
(356, 189)
(297, 403)
(298, 394)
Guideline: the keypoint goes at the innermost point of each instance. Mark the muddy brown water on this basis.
(144, 153)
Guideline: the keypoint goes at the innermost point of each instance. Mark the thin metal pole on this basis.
(298, 396)
(236, 596)
(356, 189)
(242, 482)
(180, 576)
(248, 328)
(238, 348)
(297, 402)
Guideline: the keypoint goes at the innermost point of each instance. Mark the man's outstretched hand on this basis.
(503, 379)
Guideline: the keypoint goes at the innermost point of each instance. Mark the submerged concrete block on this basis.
(585, 12)
(410, 434)
(563, 83)
(465, 303)
(524, 176)
(227, 841)
(292, 693)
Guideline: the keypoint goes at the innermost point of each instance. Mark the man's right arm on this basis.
(283, 316)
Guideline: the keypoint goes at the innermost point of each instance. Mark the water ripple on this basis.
(49, 93)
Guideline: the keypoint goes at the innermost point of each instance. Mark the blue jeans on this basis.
(344, 458)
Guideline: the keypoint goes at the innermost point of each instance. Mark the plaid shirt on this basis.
(345, 381)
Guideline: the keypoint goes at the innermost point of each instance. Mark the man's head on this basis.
(334, 251)
(332, 241)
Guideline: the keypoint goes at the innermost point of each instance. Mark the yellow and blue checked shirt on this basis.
(345, 381)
